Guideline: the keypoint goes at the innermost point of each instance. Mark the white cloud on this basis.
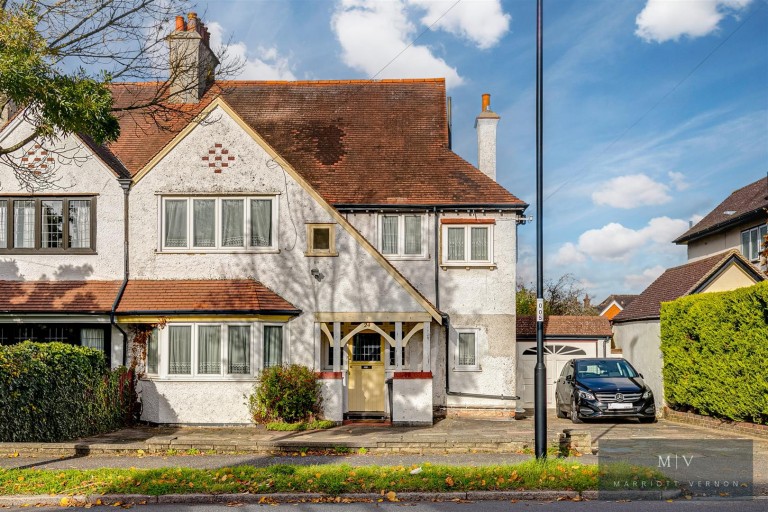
(678, 181)
(614, 242)
(639, 282)
(668, 20)
(631, 191)
(372, 33)
(483, 22)
(263, 63)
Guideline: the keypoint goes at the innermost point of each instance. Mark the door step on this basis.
(370, 422)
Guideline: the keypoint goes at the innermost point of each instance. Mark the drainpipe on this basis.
(125, 184)
(437, 261)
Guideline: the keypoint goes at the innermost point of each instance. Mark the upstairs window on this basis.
(466, 245)
(227, 224)
(321, 240)
(402, 235)
(47, 224)
(752, 242)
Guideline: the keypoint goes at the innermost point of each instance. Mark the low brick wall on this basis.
(740, 427)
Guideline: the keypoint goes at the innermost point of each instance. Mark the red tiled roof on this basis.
(198, 296)
(142, 296)
(564, 326)
(57, 296)
(385, 141)
(677, 282)
(742, 205)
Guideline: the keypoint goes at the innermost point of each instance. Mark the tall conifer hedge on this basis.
(51, 392)
(715, 348)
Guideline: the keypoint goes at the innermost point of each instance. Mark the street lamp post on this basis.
(540, 372)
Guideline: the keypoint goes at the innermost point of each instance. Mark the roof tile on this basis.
(564, 326)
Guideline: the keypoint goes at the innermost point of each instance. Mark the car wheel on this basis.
(652, 419)
(574, 412)
(559, 409)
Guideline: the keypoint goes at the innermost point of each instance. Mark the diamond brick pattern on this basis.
(217, 158)
(38, 159)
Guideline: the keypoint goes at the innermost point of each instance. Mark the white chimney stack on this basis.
(485, 124)
(192, 61)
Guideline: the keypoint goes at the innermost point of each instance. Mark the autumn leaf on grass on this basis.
(449, 481)
(392, 496)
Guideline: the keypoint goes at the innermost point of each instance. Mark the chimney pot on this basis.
(181, 25)
(486, 102)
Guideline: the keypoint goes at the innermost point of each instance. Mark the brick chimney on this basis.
(485, 124)
(192, 62)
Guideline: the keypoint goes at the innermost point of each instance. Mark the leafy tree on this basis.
(564, 296)
(59, 57)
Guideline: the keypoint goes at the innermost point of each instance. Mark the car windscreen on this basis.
(604, 369)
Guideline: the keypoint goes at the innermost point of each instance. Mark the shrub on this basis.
(714, 348)
(51, 392)
(290, 394)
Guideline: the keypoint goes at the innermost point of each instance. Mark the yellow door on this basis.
(366, 373)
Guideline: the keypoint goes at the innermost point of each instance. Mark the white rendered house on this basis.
(326, 223)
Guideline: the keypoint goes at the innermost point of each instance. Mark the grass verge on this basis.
(330, 479)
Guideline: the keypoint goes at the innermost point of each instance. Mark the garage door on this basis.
(555, 356)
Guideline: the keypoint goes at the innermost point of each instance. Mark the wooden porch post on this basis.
(336, 346)
(426, 348)
(398, 346)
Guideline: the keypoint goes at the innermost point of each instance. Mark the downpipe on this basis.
(125, 184)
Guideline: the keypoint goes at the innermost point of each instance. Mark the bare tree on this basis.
(61, 63)
(564, 296)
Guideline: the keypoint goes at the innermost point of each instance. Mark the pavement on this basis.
(449, 441)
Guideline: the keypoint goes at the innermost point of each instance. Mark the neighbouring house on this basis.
(565, 338)
(614, 304)
(324, 223)
(723, 251)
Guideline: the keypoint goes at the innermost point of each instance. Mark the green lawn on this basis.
(330, 479)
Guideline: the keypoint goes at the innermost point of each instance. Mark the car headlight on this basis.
(586, 395)
(648, 394)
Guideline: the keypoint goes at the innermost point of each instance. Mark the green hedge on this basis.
(290, 394)
(52, 392)
(715, 348)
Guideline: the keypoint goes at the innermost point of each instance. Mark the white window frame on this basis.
(218, 248)
(467, 367)
(467, 261)
(256, 351)
(401, 255)
(283, 351)
(748, 232)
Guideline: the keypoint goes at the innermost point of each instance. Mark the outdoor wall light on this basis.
(317, 274)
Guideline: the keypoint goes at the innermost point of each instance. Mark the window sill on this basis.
(403, 257)
(200, 378)
(220, 251)
(467, 369)
(321, 254)
(469, 266)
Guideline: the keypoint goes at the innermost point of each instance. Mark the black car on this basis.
(603, 388)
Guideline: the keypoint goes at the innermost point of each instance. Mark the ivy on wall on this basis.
(715, 348)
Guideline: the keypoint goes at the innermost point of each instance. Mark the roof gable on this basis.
(743, 205)
(686, 279)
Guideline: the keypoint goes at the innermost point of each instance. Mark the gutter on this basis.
(125, 184)
(722, 226)
(289, 312)
(356, 207)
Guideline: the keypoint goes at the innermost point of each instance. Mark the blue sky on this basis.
(655, 110)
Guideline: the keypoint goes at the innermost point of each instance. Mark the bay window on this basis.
(402, 235)
(47, 224)
(215, 351)
(219, 224)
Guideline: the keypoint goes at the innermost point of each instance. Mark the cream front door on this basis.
(366, 373)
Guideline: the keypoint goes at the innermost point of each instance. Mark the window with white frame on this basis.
(47, 224)
(466, 350)
(208, 350)
(470, 244)
(225, 224)
(752, 242)
(402, 235)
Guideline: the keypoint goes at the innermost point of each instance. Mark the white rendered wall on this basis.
(412, 402)
(333, 399)
(211, 402)
(77, 171)
(640, 343)
(719, 242)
